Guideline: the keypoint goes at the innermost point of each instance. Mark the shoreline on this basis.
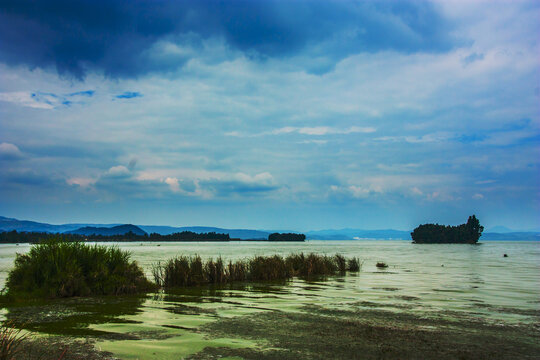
(319, 332)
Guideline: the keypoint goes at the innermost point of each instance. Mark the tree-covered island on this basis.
(468, 233)
(286, 237)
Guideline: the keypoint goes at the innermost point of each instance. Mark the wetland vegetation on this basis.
(57, 268)
(189, 271)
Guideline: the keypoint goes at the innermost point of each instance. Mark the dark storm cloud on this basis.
(117, 37)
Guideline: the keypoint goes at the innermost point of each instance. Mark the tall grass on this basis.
(188, 271)
(57, 268)
(10, 341)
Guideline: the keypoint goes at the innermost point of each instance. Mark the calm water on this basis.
(433, 280)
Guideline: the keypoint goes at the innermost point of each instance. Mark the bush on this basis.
(58, 268)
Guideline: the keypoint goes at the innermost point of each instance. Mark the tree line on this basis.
(286, 237)
(35, 237)
(11, 237)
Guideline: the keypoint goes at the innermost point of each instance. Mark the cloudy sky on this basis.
(270, 114)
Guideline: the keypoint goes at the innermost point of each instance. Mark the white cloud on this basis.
(83, 182)
(9, 151)
(118, 171)
(27, 99)
(306, 130)
(173, 184)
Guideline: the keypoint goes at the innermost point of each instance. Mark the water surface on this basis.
(452, 281)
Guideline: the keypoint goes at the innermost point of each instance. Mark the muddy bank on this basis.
(314, 332)
(60, 347)
(320, 333)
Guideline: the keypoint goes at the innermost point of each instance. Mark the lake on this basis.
(453, 282)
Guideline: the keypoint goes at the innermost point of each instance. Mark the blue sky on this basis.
(270, 114)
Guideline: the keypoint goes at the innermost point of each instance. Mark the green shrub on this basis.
(57, 268)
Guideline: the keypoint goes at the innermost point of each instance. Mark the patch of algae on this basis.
(161, 333)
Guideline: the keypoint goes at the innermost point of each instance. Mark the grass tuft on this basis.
(354, 265)
(57, 269)
(10, 341)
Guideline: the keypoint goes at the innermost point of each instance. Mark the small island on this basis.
(286, 237)
(468, 233)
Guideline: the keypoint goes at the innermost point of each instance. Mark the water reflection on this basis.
(73, 316)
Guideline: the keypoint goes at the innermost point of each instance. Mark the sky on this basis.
(270, 114)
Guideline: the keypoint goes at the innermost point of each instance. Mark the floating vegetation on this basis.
(57, 268)
(188, 271)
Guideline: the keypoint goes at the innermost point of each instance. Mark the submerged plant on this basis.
(58, 268)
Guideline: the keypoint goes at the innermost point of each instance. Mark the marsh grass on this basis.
(10, 341)
(57, 268)
(354, 265)
(189, 271)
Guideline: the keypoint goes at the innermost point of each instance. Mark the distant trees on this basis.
(286, 237)
(468, 233)
(11, 237)
(190, 236)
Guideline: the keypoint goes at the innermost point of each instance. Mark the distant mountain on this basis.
(511, 236)
(500, 229)
(233, 233)
(9, 224)
(107, 231)
(352, 234)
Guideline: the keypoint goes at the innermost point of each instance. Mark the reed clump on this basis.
(189, 271)
(11, 339)
(57, 268)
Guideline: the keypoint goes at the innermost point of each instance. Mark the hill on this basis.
(233, 233)
(115, 230)
(352, 234)
(9, 224)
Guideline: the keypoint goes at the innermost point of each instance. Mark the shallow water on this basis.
(453, 281)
